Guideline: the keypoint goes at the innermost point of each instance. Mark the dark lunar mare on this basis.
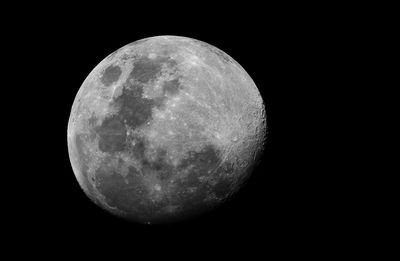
(171, 87)
(200, 164)
(129, 194)
(112, 134)
(134, 110)
(224, 186)
(146, 69)
(111, 74)
(125, 193)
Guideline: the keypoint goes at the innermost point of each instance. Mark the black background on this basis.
(286, 202)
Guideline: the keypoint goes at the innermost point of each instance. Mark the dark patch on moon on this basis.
(191, 203)
(125, 193)
(223, 187)
(160, 166)
(171, 87)
(205, 161)
(110, 75)
(199, 164)
(136, 146)
(145, 69)
(92, 120)
(130, 195)
(112, 133)
(133, 109)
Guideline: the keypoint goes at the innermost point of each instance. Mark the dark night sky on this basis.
(284, 200)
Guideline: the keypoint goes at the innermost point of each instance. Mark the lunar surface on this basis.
(164, 129)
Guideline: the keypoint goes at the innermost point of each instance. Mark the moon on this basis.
(164, 129)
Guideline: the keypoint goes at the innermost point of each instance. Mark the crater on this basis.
(111, 75)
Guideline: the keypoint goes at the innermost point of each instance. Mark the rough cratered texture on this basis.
(164, 129)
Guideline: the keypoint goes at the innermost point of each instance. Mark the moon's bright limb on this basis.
(164, 128)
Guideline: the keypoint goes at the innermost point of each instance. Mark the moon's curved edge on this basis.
(261, 130)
